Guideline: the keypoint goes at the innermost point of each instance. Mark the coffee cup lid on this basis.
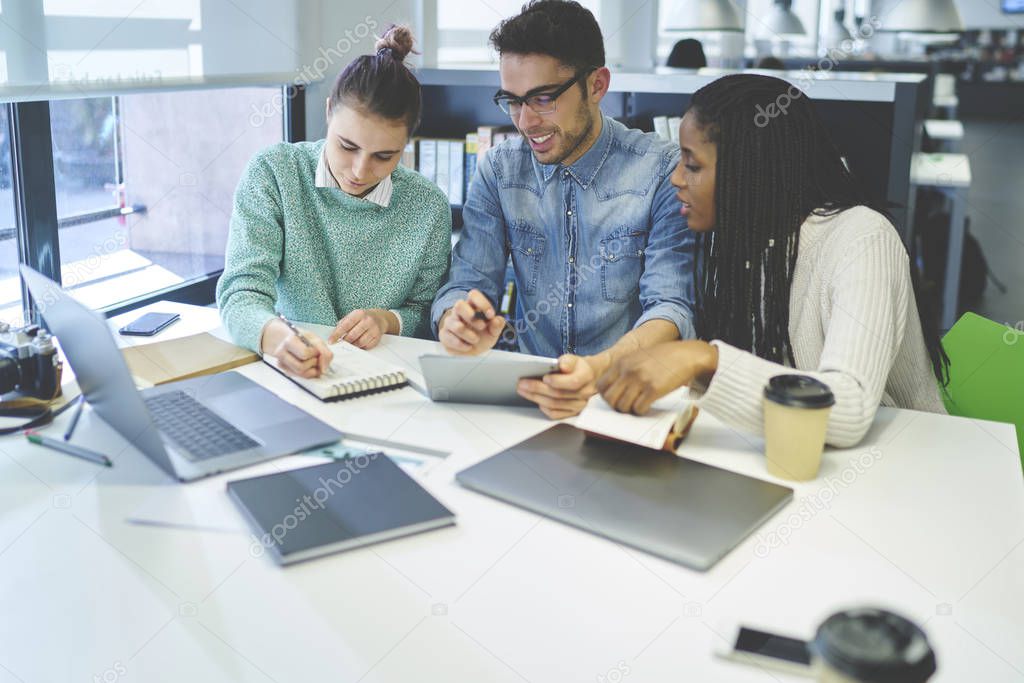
(875, 646)
(799, 391)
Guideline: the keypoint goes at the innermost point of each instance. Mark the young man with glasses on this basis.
(602, 257)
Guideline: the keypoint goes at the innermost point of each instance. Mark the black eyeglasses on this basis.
(540, 103)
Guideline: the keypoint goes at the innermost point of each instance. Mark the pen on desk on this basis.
(68, 449)
(295, 330)
(80, 401)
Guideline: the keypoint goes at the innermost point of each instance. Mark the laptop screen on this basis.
(103, 376)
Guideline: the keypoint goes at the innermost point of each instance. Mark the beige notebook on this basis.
(184, 357)
(353, 372)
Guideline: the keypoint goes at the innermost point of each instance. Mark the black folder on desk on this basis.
(312, 511)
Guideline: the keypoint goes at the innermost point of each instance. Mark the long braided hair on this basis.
(776, 166)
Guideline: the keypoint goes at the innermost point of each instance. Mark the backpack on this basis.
(931, 242)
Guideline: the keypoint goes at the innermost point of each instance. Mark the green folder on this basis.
(986, 372)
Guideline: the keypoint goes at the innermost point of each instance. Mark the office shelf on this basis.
(875, 119)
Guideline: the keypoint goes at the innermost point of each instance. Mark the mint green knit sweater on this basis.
(315, 254)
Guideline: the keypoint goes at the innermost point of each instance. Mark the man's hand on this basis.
(471, 326)
(303, 359)
(637, 380)
(563, 393)
(364, 328)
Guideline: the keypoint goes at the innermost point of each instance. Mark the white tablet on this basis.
(481, 379)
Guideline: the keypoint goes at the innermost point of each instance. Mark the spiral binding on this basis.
(361, 386)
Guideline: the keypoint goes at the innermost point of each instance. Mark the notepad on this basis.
(305, 513)
(353, 372)
(183, 358)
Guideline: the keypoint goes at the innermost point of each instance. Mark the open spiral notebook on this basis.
(353, 373)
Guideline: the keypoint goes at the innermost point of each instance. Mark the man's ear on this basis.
(598, 83)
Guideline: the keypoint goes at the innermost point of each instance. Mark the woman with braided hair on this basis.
(797, 271)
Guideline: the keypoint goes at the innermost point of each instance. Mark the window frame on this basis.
(35, 201)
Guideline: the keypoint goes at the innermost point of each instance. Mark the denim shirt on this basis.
(598, 247)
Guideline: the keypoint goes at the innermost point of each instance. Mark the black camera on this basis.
(29, 363)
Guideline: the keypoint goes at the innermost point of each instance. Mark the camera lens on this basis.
(45, 383)
(10, 373)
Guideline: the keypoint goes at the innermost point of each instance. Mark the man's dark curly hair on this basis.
(563, 29)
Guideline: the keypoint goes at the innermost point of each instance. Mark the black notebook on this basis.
(313, 511)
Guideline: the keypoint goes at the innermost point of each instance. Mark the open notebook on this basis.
(663, 428)
(353, 373)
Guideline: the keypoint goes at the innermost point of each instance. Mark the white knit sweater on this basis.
(853, 324)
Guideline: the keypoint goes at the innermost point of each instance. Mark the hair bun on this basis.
(398, 39)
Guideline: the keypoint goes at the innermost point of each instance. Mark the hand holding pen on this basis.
(471, 326)
(298, 353)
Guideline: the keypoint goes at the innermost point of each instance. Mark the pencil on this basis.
(295, 330)
(80, 401)
(69, 449)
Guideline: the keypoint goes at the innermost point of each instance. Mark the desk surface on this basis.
(939, 129)
(940, 170)
(925, 517)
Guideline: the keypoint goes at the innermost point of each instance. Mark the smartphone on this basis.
(149, 324)
(767, 650)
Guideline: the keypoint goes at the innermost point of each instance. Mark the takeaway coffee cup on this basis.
(796, 410)
(868, 645)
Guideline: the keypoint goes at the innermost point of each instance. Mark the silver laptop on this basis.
(190, 429)
(678, 509)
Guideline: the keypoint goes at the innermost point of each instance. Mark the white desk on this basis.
(932, 527)
(947, 134)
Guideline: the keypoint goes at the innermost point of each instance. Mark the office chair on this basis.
(986, 372)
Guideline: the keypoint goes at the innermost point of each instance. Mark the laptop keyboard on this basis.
(194, 428)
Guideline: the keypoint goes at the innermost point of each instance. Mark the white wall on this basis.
(338, 32)
(257, 36)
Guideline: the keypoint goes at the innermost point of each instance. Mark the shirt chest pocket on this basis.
(526, 245)
(622, 264)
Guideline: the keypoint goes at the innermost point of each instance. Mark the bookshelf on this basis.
(875, 119)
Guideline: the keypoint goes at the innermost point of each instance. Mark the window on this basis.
(145, 183)
(138, 201)
(10, 285)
